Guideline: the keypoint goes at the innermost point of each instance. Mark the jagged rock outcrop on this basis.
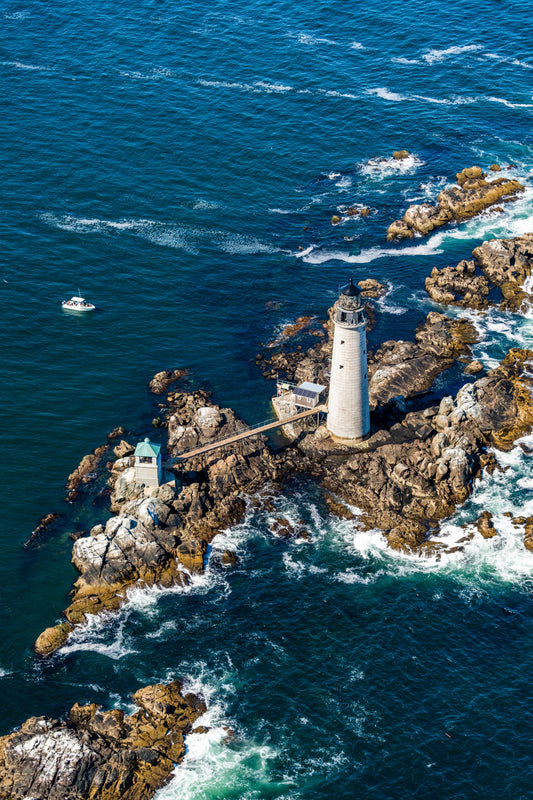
(162, 380)
(100, 754)
(485, 525)
(459, 286)
(507, 263)
(473, 194)
(159, 535)
(85, 471)
(528, 534)
(502, 263)
(370, 287)
(408, 368)
(411, 476)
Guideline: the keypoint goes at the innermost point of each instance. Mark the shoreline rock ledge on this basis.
(473, 195)
(100, 754)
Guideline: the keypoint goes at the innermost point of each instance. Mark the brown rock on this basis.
(115, 433)
(370, 287)
(474, 368)
(399, 155)
(506, 263)
(123, 449)
(229, 558)
(100, 754)
(485, 525)
(472, 195)
(191, 554)
(162, 380)
(44, 523)
(335, 219)
(85, 472)
(52, 638)
(528, 533)
(282, 527)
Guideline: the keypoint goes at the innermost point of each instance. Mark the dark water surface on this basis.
(180, 164)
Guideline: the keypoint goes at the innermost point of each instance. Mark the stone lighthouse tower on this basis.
(348, 416)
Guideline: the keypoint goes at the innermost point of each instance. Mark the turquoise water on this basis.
(180, 164)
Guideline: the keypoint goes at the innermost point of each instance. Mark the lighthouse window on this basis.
(341, 366)
(342, 341)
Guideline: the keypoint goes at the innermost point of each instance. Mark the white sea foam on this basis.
(94, 636)
(181, 237)
(223, 762)
(387, 306)
(441, 101)
(386, 94)
(436, 56)
(17, 15)
(273, 87)
(333, 93)
(357, 46)
(310, 39)
(206, 205)
(316, 255)
(380, 168)
(23, 65)
(156, 73)
(402, 60)
(212, 767)
(224, 84)
(4, 673)
(506, 60)
(508, 103)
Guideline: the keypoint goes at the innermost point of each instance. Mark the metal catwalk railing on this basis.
(253, 430)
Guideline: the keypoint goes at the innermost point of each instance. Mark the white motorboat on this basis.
(77, 303)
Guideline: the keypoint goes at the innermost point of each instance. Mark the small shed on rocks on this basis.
(309, 395)
(148, 467)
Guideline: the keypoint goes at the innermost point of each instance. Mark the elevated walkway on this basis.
(262, 427)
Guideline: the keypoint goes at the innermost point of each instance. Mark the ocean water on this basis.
(180, 164)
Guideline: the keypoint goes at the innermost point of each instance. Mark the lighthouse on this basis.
(348, 419)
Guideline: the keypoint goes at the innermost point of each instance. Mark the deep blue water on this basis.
(180, 164)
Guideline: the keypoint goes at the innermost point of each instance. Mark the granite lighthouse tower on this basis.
(348, 415)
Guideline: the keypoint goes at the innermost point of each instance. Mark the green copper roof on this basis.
(147, 449)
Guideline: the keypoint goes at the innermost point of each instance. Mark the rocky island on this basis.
(473, 194)
(413, 470)
(100, 754)
(417, 465)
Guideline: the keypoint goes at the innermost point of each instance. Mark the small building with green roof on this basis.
(148, 466)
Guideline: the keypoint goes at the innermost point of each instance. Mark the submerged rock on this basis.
(100, 754)
(85, 471)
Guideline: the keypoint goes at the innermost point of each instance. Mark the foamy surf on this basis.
(317, 255)
(223, 761)
(182, 237)
(437, 56)
(386, 94)
(380, 167)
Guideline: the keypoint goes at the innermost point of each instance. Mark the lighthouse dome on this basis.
(350, 296)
